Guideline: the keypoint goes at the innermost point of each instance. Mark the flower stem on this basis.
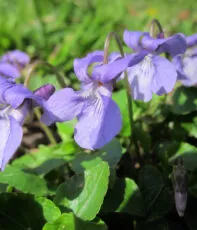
(127, 86)
(45, 128)
(157, 34)
(37, 63)
(156, 23)
(37, 112)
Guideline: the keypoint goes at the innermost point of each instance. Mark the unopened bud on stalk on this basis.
(179, 181)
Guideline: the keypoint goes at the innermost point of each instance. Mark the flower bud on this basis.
(179, 181)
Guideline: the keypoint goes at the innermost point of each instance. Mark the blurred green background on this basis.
(60, 30)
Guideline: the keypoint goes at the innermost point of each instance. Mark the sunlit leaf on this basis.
(84, 193)
(25, 182)
(69, 221)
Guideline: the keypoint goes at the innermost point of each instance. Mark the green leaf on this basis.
(45, 159)
(124, 197)
(156, 197)
(84, 193)
(69, 221)
(189, 155)
(50, 211)
(24, 182)
(22, 211)
(111, 153)
(36, 157)
(191, 127)
(67, 150)
(184, 100)
(121, 99)
(66, 130)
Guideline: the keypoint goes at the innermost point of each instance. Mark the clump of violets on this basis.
(186, 63)
(16, 101)
(98, 116)
(155, 73)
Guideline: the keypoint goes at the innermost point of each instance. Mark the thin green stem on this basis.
(130, 107)
(45, 128)
(37, 63)
(127, 86)
(156, 23)
(37, 112)
(106, 46)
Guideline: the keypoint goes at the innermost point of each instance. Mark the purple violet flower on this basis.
(99, 118)
(16, 58)
(186, 63)
(191, 40)
(154, 74)
(8, 71)
(15, 103)
(12, 63)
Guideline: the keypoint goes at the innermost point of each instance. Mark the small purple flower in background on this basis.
(16, 58)
(99, 118)
(12, 63)
(16, 102)
(8, 71)
(186, 63)
(154, 74)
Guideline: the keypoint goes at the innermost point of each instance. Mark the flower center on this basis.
(4, 110)
(90, 90)
(145, 68)
(147, 62)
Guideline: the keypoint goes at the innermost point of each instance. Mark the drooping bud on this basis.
(179, 181)
(45, 91)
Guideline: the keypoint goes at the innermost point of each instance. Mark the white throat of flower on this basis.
(4, 110)
(146, 65)
(93, 97)
(90, 92)
(144, 69)
(18, 114)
